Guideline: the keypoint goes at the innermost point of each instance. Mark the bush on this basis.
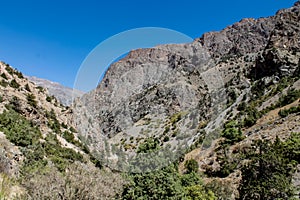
(49, 98)
(69, 137)
(19, 74)
(13, 83)
(4, 83)
(148, 145)
(40, 88)
(191, 166)
(18, 129)
(252, 115)
(9, 70)
(175, 118)
(286, 112)
(31, 100)
(291, 96)
(27, 88)
(4, 76)
(232, 133)
(79, 182)
(15, 104)
(65, 126)
(166, 183)
(242, 106)
(72, 129)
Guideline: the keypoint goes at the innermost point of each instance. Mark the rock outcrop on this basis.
(141, 94)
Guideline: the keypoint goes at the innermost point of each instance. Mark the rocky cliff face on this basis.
(176, 93)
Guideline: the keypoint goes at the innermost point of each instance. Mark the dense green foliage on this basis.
(268, 173)
(148, 145)
(17, 129)
(286, 112)
(38, 153)
(167, 183)
(231, 133)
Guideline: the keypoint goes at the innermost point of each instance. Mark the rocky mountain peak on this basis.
(195, 81)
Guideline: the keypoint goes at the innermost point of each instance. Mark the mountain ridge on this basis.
(64, 94)
(217, 118)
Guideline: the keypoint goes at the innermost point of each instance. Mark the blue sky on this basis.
(50, 39)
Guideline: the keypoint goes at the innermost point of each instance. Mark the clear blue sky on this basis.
(51, 38)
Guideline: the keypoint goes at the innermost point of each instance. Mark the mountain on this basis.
(224, 88)
(64, 94)
(217, 118)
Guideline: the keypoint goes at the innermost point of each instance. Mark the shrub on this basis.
(15, 104)
(166, 183)
(286, 112)
(72, 129)
(31, 100)
(252, 115)
(65, 126)
(78, 182)
(166, 139)
(291, 96)
(13, 83)
(232, 133)
(9, 70)
(175, 118)
(27, 88)
(4, 76)
(148, 145)
(242, 106)
(18, 129)
(69, 137)
(49, 98)
(4, 83)
(191, 166)
(40, 88)
(19, 74)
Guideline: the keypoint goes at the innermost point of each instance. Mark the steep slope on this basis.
(219, 95)
(194, 81)
(41, 156)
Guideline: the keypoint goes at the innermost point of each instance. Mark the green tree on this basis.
(267, 175)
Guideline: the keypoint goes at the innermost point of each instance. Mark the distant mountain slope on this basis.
(62, 93)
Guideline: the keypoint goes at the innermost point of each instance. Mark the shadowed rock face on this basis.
(151, 85)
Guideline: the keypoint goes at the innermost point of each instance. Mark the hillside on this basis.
(41, 155)
(64, 95)
(217, 118)
(221, 92)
